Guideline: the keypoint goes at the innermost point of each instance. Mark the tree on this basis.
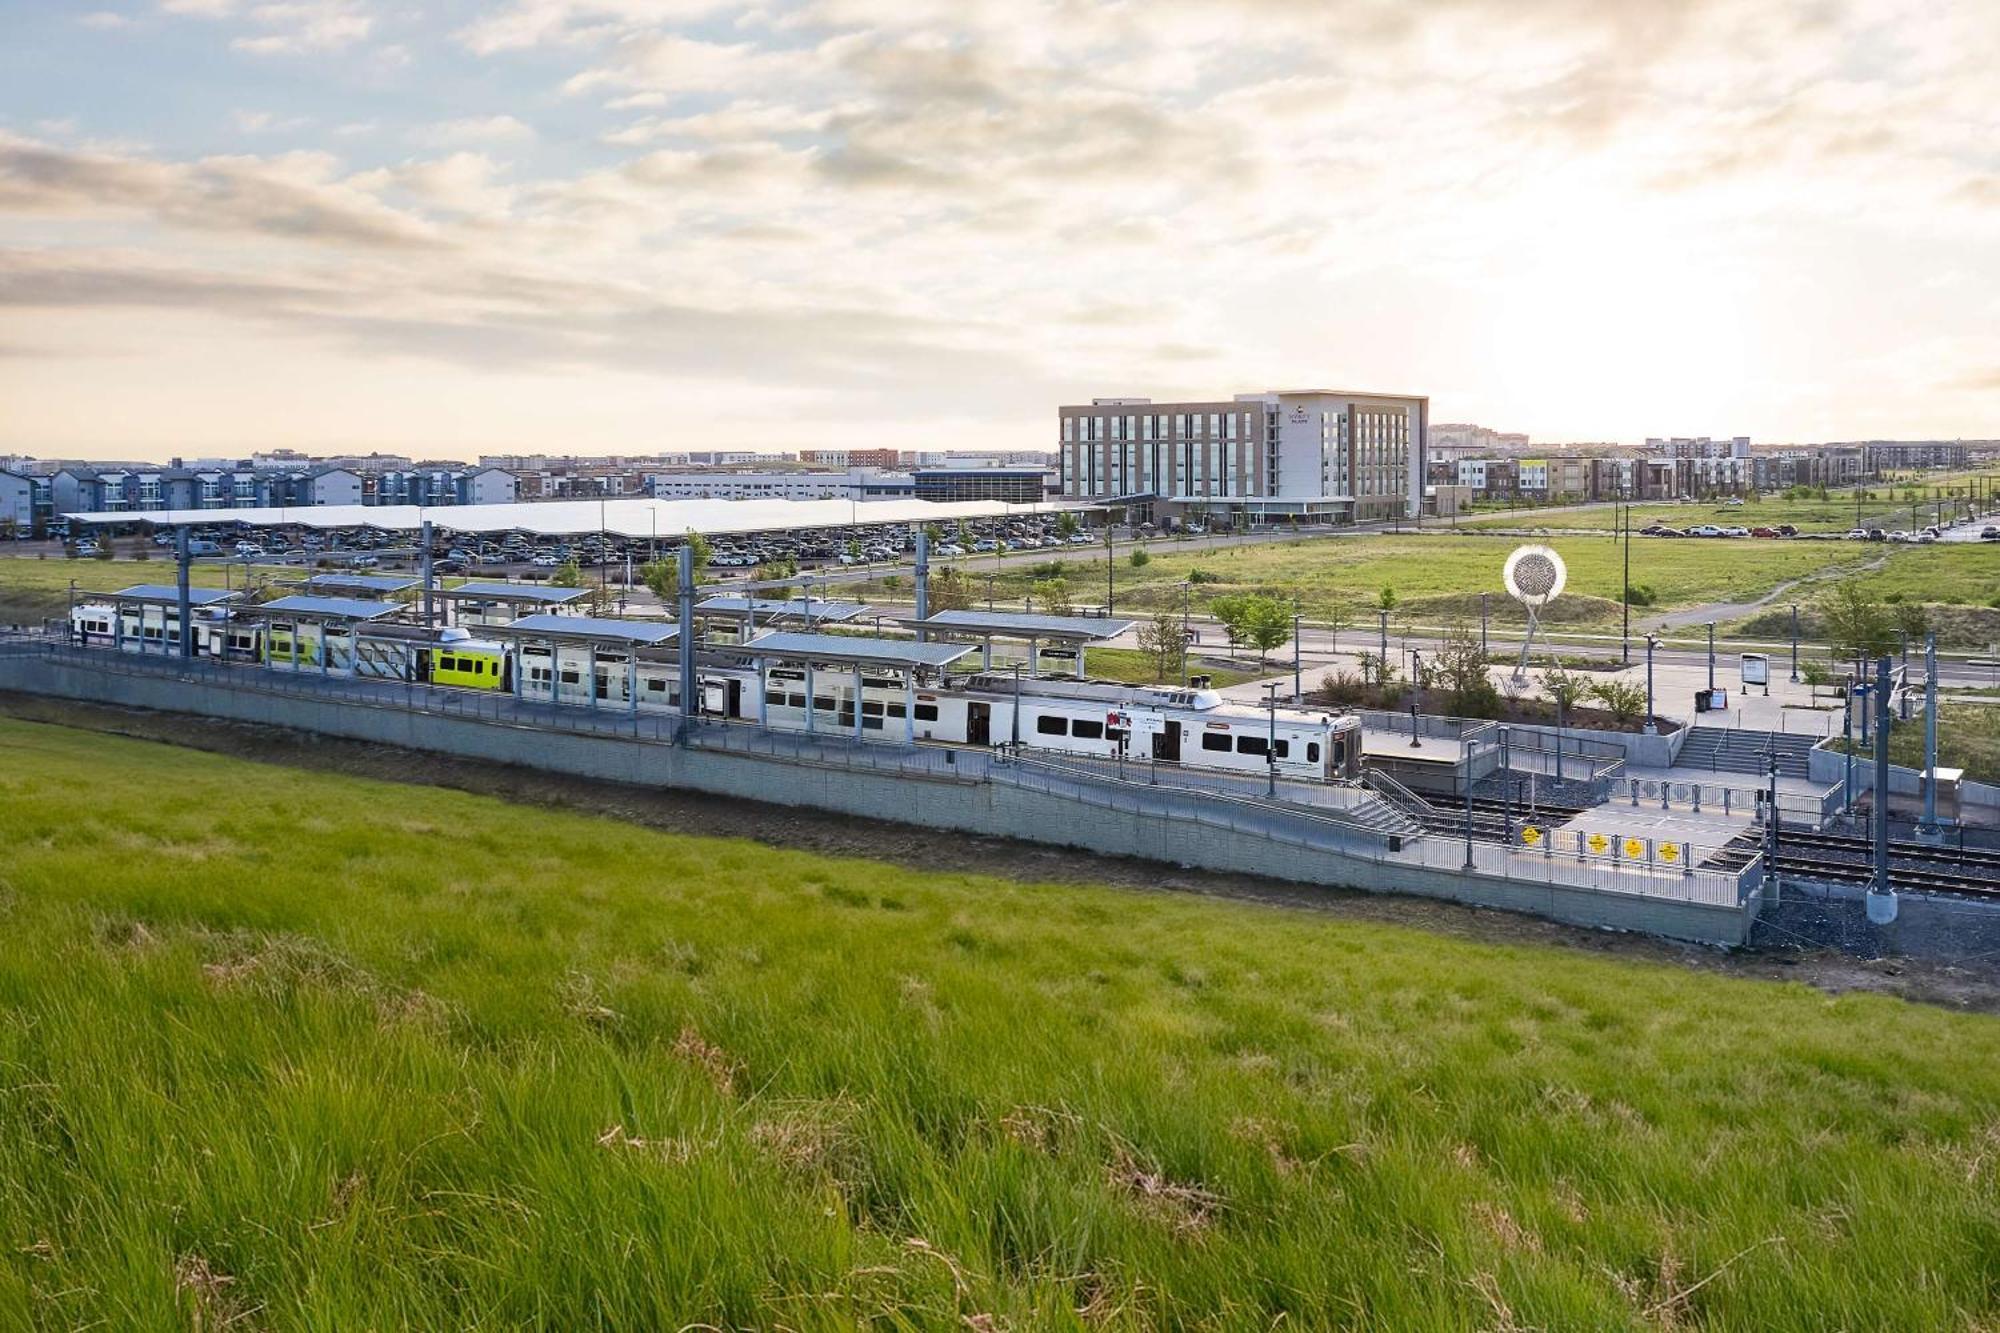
(1336, 619)
(1379, 672)
(1067, 526)
(703, 552)
(1816, 675)
(1622, 698)
(569, 574)
(1458, 668)
(1164, 643)
(1261, 621)
(1913, 621)
(950, 590)
(1386, 599)
(659, 575)
(1568, 688)
(934, 532)
(104, 551)
(1052, 595)
(854, 549)
(1856, 624)
(1140, 559)
(10, 529)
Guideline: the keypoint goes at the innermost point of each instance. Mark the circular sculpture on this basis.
(1534, 575)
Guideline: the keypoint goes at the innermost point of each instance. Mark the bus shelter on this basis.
(1067, 635)
(791, 667)
(317, 633)
(591, 660)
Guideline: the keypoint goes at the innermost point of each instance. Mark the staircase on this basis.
(1391, 807)
(1733, 750)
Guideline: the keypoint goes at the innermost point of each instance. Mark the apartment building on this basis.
(856, 483)
(1322, 455)
(17, 502)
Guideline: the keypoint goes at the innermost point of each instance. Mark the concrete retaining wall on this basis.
(996, 804)
(1979, 802)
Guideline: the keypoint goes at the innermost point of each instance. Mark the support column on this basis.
(812, 702)
(857, 701)
(430, 582)
(923, 581)
(986, 653)
(910, 706)
(763, 695)
(1881, 897)
(684, 609)
(181, 558)
(1930, 824)
(632, 680)
(590, 674)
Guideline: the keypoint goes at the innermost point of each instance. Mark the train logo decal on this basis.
(1598, 843)
(1531, 836)
(1634, 849)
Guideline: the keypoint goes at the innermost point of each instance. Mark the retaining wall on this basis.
(994, 803)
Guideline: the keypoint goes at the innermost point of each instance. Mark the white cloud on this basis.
(105, 19)
(285, 27)
(477, 129)
(265, 122)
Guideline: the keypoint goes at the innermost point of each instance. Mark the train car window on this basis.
(1090, 731)
(895, 710)
(571, 677)
(871, 724)
(656, 686)
(871, 708)
(927, 713)
(1284, 749)
(775, 697)
(1312, 752)
(1252, 745)
(796, 700)
(1215, 741)
(1047, 726)
(823, 703)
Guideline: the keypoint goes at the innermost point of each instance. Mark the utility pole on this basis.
(1711, 654)
(1652, 641)
(1795, 643)
(1271, 741)
(1627, 645)
(1297, 693)
(1929, 828)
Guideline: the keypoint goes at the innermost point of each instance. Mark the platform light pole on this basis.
(1929, 828)
(1382, 665)
(1626, 645)
(1795, 643)
(1416, 689)
(1711, 654)
(186, 598)
(1652, 642)
(1297, 662)
(1484, 651)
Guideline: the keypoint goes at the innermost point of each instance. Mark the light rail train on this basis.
(1192, 727)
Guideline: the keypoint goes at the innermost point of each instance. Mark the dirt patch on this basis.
(831, 834)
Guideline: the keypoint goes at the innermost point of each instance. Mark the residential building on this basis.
(1318, 455)
(886, 459)
(491, 486)
(17, 503)
(857, 483)
(334, 486)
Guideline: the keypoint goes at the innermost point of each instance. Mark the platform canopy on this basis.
(332, 608)
(851, 650)
(630, 518)
(589, 629)
(380, 585)
(1014, 625)
(169, 595)
(539, 594)
(769, 609)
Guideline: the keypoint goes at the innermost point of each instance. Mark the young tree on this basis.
(1817, 676)
(934, 532)
(854, 550)
(1856, 624)
(703, 552)
(1140, 559)
(569, 574)
(1386, 599)
(1165, 646)
(1336, 619)
(1067, 526)
(1913, 621)
(1457, 667)
(1052, 595)
(1257, 619)
(950, 590)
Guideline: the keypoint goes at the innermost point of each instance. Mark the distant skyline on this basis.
(621, 226)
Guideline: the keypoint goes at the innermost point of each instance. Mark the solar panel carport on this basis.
(511, 597)
(375, 585)
(750, 612)
(857, 652)
(1070, 632)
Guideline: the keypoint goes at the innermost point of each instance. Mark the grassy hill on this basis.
(296, 1050)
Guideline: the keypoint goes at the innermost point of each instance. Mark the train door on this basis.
(978, 723)
(1167, 742)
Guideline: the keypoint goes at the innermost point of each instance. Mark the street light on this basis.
(1416, 688)
(1795, 643)
(1652, 641)
(1711, 654)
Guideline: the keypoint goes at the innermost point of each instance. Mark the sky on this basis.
(591, 226)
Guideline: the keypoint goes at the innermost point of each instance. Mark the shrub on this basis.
(1203, 576)
(1140, 559)
(1640, 594)
(1624, 699)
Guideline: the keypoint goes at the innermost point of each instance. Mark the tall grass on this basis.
(304, 1051)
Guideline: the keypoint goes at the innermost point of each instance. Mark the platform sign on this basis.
(1634, 849)
(1670, 852)
(1597, 844)
(1756, 669)
(1531, 836)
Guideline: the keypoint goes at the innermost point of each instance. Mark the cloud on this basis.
(478, 129)
(285, 27)
(104, 20)
(265, 122)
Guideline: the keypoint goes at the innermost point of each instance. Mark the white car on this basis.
(545, 562)
(1081, 539)
(951, 548)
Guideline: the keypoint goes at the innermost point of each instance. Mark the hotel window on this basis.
(1069, 428)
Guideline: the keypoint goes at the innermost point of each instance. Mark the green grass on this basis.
(1837, 513)
(1968, 738)
(1129, 664)
(335, 1054)
(32, 588)
(1438, 576)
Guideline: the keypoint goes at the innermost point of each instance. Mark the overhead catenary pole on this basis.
(1881, 897)
(685, 611)
(186, 598)
(1627, 598)
(923, 582)
(1930, 824)
(424, 564)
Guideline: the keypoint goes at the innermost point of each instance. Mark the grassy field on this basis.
(1129, 664)
(1436, 576)
(1885, 505)
(1968, 738)
(31, 588)
(293, 1051)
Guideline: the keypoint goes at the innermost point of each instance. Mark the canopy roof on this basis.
(780, 608)
(169, 594)
(513, 592)
(851, 649)
(664, 519)
(333, 608)
(373, 583)
(596, 629)
(1014, 625)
